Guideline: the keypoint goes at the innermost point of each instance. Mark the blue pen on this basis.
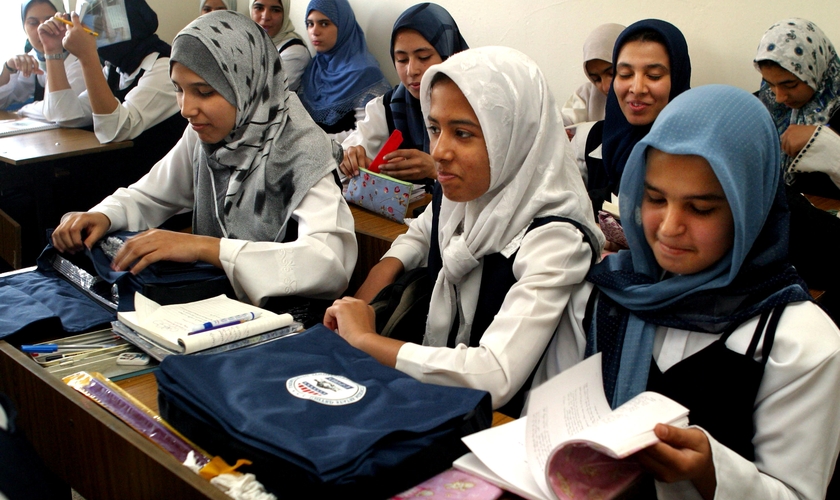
(50, 348)
(221, 323)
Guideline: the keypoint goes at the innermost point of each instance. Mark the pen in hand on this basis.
(85, 28)
(221, 323)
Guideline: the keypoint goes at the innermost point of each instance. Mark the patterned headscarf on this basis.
(799, 46)
(532, 174)
(731, 130)
(347, 76)
(619, 135)
(247, 186)
(434, 24)
(287, 30)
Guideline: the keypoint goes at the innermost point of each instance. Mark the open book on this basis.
(571, 444)
(23, 126)
(171, 325)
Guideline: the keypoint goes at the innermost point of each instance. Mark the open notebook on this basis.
(23, 126)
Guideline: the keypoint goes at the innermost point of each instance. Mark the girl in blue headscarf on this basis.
(23, 77)
(652, 67)
(343, 76)
(705, 308)
(424, 35)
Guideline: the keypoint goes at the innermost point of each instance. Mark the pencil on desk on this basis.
(68, 23)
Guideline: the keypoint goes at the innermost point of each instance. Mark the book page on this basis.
(563, 406)
(501, 450)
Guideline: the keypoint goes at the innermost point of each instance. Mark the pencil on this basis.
(68, 23)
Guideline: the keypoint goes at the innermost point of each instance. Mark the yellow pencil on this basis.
(68, 23)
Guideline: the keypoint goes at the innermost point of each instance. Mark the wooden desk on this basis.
(30, 162)
(374, 235)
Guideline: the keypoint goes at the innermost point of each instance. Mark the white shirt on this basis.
(820, 154)
(20, 89)
(551, 259)
(587, 104)
(149, 103)
(295, 59)
(371, 131)
(797, 429)
(318, 264)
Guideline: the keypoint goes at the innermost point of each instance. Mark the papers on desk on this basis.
(23, 126)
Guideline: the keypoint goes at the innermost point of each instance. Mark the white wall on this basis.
(722, 34)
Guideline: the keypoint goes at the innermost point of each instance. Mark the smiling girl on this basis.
(252, 166)
(272, 16)
(343, 76)
(399, 109)
(509, 235)
(705, 308)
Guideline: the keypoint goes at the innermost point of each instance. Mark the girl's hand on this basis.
(25, 64)
(351, 318)
(795, 138)
(157, 244)
(409, 165)
(51, 33)
(80, 230)
(682, 454)
(79, 42)
(354, 158)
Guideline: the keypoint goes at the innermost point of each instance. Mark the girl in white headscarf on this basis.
(589, 100)
(273, 16)
(511, 191)
(205, 6)
(23, 76)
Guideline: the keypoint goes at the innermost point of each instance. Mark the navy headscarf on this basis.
(732, 130)
(143, 23)
(619, 135)
(347, 76)
(434, 24)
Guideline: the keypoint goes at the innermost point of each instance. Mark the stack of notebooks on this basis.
(206, 326)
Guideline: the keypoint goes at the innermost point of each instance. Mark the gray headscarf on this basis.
(247, 186)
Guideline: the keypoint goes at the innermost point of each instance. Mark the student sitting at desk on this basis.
(22, 78)
(256, 170)
(343, 76)
(705, 308)
(273, 16)
(513, 233)
(423, 35)
(205, 6)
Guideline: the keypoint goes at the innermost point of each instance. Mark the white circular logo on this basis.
(332, 390)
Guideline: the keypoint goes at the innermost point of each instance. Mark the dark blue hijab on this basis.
(128, 55)
(347, 76)
(619, 135)
(733, 132)
(434, 24)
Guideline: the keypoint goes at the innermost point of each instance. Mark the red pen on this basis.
(390, 146)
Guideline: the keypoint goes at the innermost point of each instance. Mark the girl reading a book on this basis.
(705, 308)
(423, 35)
(508, 240)
(255, 170)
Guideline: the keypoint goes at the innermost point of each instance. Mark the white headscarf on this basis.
(532, 174)
(287, 31)
(230, 4)
(599, 45)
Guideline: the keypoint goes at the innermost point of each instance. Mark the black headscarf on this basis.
(128, 55)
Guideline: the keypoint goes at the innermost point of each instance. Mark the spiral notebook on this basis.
(23, 126)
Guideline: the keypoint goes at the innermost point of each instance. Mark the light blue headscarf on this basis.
(346, 77)
(733, 131)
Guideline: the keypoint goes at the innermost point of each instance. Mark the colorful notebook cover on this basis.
(379, 193)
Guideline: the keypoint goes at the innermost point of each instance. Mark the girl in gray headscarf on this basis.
(254, 168)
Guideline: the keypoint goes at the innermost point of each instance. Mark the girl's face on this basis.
(685, 215)
(788, 88)
(600, 73)
(36, 14)
(211, 5)
(413, 55)
(268, 14)
(457, 144)
(323, 33)
(210, 115)
(642, 81)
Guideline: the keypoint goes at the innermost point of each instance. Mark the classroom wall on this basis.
(722, 34)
